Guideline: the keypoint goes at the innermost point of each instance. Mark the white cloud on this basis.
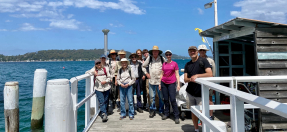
(266, 10)
(70, 16)
(200, 11)
(44, 13)
(55, 4)
(116, 25)
(8, 21)
(29, 27)
(71, 24)
(130, 32)
(2, 30)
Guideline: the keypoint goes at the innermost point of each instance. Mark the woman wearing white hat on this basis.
(125, 80)
(169, 85)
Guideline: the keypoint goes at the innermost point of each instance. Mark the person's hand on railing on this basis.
(103, 82)
(96, 73)
(192, 79)
(178, 88)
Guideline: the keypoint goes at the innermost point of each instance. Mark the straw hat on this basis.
(155, 48)
(202, 47)
(112, 52)
(124, 59)
(121, 52)
(132, 55)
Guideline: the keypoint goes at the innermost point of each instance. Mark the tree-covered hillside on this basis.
(80, 54)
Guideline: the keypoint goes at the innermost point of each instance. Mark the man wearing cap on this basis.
(139, 75)
(122, 55)
(202, 53)
(112, 62)
(196, 68)
(154, 63)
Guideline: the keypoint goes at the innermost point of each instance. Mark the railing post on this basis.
(58, 106)
(237, 114)
(205, 105)
(87, 104)
(93, 99)
(74, 94)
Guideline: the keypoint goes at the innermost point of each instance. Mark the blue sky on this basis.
(30, 25)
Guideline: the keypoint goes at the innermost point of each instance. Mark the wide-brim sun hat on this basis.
(155, 48)
(112, 52)
(122, 52)
(167, 51)
(124, 59)
(202, 47)
(132, 55)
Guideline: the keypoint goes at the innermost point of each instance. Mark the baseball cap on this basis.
(192, 47)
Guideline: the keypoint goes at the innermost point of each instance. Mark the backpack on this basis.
(161, 59)
(104, 72)
(110, 60)
(130, 72)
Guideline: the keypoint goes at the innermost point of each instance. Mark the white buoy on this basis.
(11, 106)
(58, 107)
(39, 87)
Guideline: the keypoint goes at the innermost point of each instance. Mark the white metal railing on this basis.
(237, 99)
(89, 97)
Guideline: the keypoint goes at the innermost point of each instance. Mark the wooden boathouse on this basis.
(247, 47)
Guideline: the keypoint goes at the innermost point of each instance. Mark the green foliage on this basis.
(68, 54)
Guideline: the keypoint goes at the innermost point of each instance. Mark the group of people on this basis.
(116, 80)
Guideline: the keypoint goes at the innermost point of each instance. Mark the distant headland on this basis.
(63, 55)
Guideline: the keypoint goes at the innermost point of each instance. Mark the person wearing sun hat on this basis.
(154, 63)
(125, 80)
(139, 75)
(202, 53)
(169, 85)
(112, 62)
(122, 55)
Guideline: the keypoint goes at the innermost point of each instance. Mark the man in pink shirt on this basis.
(169, 85)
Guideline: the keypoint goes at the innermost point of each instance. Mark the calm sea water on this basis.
(23, 72)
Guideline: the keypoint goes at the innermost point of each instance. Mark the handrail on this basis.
(237, 99)
(88, 96)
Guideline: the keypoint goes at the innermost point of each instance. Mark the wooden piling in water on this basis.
(39, 87)
(11, 106)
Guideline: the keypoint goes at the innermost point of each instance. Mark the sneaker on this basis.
(176, 121)
(164, 117)
(119, 110)
(211, 117)
(161, 114)
(122, 117)
(151, 114)
(140, 110)
(105, 118)
(131, 118)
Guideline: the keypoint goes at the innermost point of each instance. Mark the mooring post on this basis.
(58, 107)
(39, 86)
(11, 106)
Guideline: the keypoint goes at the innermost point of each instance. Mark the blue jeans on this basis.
(152, 93)
(103, 98)
(127, 93)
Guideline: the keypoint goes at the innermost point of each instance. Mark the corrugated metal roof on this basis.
(237, 24)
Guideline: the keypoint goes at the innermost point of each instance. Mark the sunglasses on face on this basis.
(168, 54)
(201, 50)
(113, 54)
(98, 63)
(133, 57)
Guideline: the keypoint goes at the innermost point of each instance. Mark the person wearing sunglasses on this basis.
(169, 85)
(202, 53)
(139, 75)
(102, 87)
